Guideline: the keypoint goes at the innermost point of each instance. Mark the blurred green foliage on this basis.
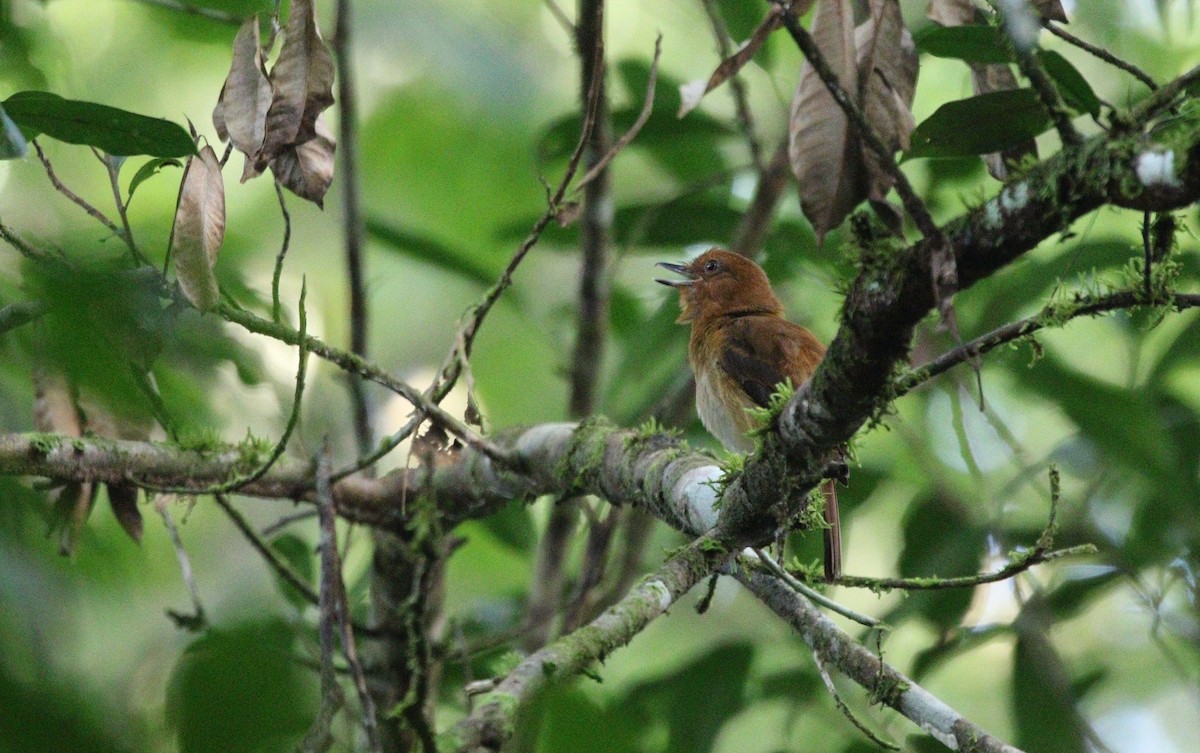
(465, 106)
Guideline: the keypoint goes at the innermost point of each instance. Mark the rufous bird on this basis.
(741, 349)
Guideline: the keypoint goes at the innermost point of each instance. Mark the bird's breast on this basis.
(722, 407)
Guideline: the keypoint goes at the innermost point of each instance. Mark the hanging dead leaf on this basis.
(123, 499)
(199, 228)
(951, 12)
(301, 82)
(822, 147)
(241, 112)
(691, 93)
(887, 79)
(307, 169)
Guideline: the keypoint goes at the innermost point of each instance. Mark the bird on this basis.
(741, 349)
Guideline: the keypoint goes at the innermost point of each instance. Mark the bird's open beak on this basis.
(680, 270)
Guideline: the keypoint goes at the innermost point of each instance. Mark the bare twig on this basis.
(1051, 315)
(113, 166)
(823, 670)
(71, 195)
(595, 227)
(333, 595)
(813, 595)
(1102, 54)
(460, 352)
(239, 481)
(319, 737)
(736, 84)
(352, 221)
(196, 620)
(626, 138)
(886, 684)
(276, 310)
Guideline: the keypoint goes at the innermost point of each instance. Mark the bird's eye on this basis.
(712, 265)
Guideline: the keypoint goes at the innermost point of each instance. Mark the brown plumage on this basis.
(740, 350)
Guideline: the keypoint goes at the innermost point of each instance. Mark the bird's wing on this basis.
(762, 351)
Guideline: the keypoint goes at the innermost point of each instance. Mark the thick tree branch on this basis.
(892, 293)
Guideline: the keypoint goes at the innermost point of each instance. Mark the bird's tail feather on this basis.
(833, 533)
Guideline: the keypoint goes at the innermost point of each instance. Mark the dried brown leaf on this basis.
(951, 12)
(691, 93)
(992, 78)
(887, 78)
(123, 499)
(307, 170)
(55, 409)
(241, 111)
(199, 228)
(302, 84)
(822, 148)
(1051, 10)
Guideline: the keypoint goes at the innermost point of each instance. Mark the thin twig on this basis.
(427, 403)
(815, 596)
(631, 134)
(112, 165)
(823, 670)
(319, 737)
(280, 446)
(276, 310)
(74, 197)
(1102, 54)
(1051, 315)
(350, 362)
(737, 85)
(352, 221)
(1022, 562)
(196, 620)
(561, 17)
(337, 604)
(284, 521)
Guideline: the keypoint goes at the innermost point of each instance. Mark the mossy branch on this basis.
(491, 724)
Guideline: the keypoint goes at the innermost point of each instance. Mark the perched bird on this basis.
(741, 349)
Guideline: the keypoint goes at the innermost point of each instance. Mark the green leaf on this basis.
(1042, 704)
(1076, 92)
(430, 250)
(698, 699)
(107, 128)
(512, 526)
(240, 689)
(12, 142)
(149, 170)
(980, 125)
(971, 43)
(299, 554)
(940, 539)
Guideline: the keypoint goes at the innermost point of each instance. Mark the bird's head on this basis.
(719, 282)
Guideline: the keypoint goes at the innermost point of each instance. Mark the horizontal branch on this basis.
(1051, 315)
(654, 472)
